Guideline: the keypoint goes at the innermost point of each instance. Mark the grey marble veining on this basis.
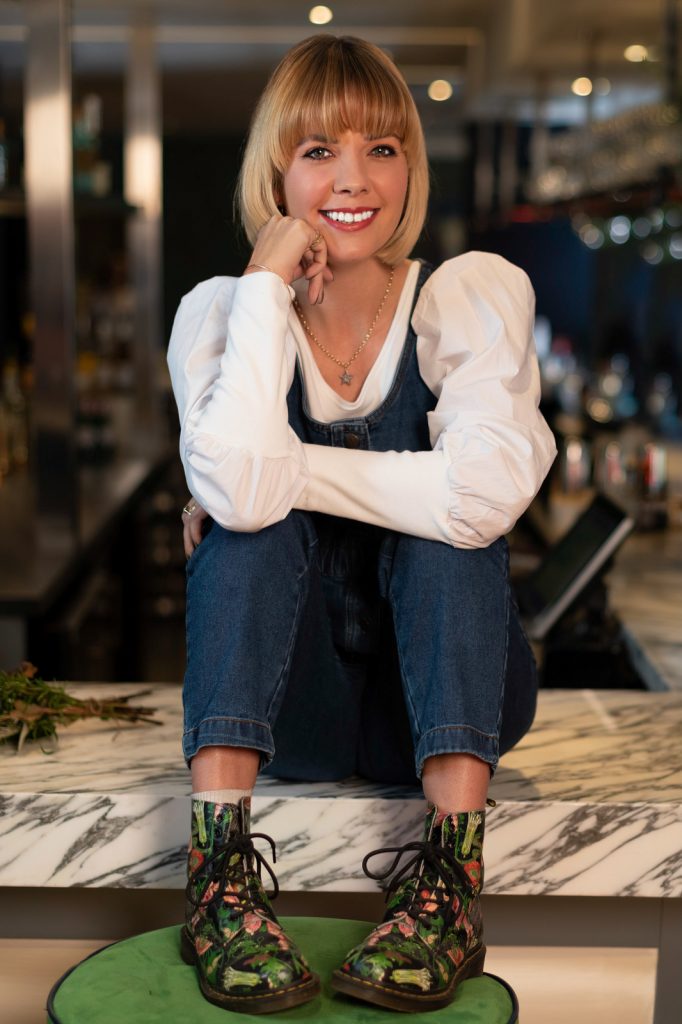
(597, 747)
(589, 803)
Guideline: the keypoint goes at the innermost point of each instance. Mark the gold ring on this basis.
(315, 240)
(190, 507)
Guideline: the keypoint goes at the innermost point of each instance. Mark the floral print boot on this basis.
(244, 959)
(431, 936)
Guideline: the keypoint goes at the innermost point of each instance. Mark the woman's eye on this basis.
(384, 150)
(318, 153)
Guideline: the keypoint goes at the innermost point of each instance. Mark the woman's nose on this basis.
(351, 178)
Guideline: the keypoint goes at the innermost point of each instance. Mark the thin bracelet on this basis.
(261, 266)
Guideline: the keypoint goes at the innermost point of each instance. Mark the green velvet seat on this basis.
(143, 980)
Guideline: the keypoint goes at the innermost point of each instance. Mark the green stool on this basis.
(143, 980)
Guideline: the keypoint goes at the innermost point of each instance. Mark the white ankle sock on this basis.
(222, 796)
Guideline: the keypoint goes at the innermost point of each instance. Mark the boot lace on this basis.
(240, 874)
(442, 864)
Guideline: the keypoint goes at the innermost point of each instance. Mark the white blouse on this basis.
(326, 405)
(232, 355)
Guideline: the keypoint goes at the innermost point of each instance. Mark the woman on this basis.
(358, 433)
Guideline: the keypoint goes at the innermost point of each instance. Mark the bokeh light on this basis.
(440, 90)
(636, 53)
(581, 86)
(320, 15)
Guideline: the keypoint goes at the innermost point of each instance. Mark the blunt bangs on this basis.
(327, 85)
(341, 95)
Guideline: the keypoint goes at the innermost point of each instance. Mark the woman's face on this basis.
(351, 188)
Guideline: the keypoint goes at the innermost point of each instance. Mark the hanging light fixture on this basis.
(623, 151)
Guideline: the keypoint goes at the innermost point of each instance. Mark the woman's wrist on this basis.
(250, 267)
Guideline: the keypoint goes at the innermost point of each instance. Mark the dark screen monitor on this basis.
(571, 564)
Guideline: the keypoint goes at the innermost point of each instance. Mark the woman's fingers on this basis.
(191, 527)
(316, 290)
(313, 269)
(316, 269)
(317, 278)
(316, 282)
(288, 246)
(187, 541)
(195, 528)
(315, 255)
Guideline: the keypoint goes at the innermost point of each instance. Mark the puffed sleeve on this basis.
(231, 364)
(491, 445)
(476, 352)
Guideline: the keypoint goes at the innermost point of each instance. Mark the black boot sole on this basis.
(266, 1003)
(408, 1002)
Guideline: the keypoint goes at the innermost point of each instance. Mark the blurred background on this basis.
(554, 134)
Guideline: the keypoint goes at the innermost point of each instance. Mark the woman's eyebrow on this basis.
(324, 140)
(315, 138)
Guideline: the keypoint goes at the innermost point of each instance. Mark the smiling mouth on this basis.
(349, 217)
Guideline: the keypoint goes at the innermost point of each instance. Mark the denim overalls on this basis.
(339, 648)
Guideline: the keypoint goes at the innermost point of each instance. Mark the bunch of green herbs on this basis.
(31, 709)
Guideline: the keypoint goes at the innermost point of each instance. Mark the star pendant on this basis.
(346, 377)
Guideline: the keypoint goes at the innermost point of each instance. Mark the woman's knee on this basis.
(283, 548)
(429, 559)
(240, 585)
(444, 583)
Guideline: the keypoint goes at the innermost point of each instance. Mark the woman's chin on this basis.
(339, 261)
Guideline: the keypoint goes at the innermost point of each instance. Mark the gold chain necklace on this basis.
(346, 377)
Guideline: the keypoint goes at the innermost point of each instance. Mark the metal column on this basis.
(143, 188)
(49, 205)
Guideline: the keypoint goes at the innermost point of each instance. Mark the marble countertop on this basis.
(589, 803)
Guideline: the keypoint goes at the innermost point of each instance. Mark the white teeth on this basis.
(348, 218)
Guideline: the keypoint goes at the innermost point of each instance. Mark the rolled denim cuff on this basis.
(457, 739)
(229, 732)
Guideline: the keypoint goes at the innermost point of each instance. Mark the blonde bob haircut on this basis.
(326, 85)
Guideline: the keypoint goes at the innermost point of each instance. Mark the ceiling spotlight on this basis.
(581, 87)
(440, 90)
(636, 53)
(320, 15)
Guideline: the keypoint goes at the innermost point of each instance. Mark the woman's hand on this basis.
(292, 248)
(191, 526)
